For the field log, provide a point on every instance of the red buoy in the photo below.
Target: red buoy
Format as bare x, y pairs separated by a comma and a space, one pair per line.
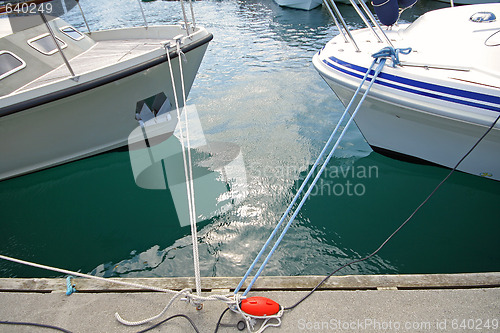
260, 306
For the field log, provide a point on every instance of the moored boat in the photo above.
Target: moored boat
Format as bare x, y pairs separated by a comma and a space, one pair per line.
80, 96
440, 99
307, 4
300, 4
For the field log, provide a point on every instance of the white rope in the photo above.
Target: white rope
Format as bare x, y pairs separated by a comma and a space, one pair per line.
65, 271
194, 230
186, 293
140, 322
187, 166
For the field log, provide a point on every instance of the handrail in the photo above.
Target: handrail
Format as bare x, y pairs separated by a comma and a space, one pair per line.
192, 13
335, 13
360, 13
83, 16
143, 15
375, 22
341, 19
5, 9
185, 17
335, 21
44, 19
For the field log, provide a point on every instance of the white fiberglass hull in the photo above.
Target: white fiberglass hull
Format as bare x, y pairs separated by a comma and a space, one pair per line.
408, 132
300, 4
435, 115
89, 122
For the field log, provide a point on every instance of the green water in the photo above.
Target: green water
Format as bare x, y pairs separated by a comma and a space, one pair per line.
256, 88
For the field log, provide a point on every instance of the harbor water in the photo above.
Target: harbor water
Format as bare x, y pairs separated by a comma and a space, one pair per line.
257, 89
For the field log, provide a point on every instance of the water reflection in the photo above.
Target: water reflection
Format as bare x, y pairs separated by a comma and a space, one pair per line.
255, 88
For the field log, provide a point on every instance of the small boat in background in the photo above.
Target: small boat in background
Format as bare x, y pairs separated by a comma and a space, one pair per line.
300, 4
434, 104
307, 4
80, 96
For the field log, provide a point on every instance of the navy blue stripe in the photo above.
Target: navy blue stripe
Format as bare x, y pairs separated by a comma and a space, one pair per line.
423, 85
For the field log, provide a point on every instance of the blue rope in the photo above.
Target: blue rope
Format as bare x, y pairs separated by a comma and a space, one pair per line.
390, 52
304, 183
381, 60
70, 288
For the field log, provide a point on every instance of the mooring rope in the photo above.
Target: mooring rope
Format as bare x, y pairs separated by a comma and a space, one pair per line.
380, 58
186, 293
188, 167
83, 275
192, 215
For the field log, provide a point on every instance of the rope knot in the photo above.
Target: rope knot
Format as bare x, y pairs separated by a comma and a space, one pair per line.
390, 52
70, 288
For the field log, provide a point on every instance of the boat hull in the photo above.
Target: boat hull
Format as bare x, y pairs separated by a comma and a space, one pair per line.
438, 99
86, 123
300, 4
406, 130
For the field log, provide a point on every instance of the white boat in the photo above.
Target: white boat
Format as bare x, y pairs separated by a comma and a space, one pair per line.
441, 98
307, 4
300, 4
53, 112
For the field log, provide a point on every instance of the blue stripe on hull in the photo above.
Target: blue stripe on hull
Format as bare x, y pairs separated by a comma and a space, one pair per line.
423, 85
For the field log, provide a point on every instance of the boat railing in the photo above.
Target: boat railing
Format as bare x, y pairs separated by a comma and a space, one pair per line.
365, 16
4, 9
186, 23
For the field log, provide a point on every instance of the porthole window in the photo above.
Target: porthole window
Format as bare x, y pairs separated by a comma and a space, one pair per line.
45, 44
10, 63
71, 32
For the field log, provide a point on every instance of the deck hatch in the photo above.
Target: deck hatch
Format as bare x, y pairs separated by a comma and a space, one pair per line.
71, 32
45, 44
10, 63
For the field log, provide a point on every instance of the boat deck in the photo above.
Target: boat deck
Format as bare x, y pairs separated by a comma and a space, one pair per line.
378, 303
101, 55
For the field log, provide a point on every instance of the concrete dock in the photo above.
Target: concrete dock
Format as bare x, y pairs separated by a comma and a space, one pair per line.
366, 303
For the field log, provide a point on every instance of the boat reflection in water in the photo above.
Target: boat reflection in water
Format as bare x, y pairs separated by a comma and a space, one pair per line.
158, 163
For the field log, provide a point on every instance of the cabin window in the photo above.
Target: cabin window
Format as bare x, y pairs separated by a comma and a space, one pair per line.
72, 33
10, 63
45, 44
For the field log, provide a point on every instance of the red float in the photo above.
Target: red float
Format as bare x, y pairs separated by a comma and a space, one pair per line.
259, 306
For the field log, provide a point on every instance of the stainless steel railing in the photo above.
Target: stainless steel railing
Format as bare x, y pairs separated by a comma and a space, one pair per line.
366, 17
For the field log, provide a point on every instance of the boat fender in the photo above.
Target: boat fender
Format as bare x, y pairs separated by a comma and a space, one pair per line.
386, 10
259, 306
